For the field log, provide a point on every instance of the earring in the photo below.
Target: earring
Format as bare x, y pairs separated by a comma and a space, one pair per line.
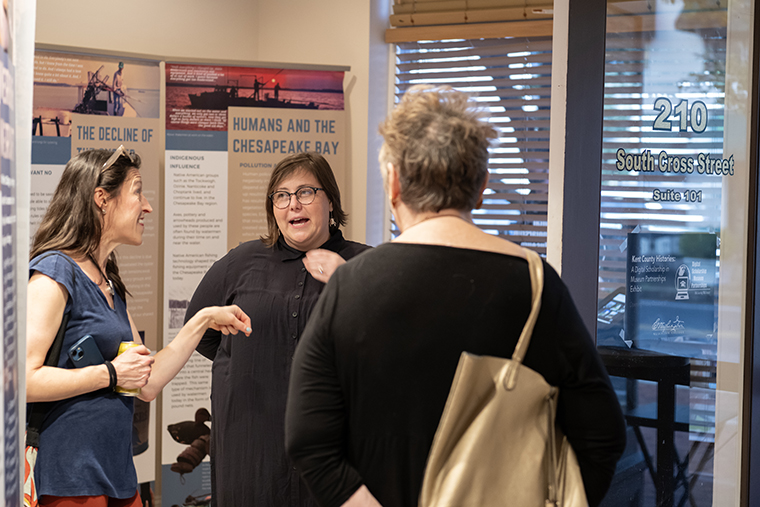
103, 210
333, 223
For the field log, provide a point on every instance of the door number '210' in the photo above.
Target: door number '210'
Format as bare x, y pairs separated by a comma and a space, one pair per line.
696, 117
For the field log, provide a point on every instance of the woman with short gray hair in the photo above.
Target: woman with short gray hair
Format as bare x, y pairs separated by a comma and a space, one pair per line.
373, 370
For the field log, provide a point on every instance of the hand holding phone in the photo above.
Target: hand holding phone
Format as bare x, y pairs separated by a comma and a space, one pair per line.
85, 352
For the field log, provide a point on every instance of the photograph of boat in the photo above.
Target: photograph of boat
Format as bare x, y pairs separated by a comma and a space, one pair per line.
223, 97
198, 96
76, 84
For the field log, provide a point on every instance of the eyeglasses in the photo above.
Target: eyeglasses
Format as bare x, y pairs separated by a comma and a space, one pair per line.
121, 150
304, 195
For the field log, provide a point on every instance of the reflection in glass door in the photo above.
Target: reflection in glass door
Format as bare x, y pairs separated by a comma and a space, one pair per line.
672, 260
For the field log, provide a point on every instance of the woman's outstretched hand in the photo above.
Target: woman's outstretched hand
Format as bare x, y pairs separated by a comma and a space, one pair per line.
228, 319
133, 367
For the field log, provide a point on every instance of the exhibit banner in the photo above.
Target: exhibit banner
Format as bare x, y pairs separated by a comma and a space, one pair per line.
226, 129
86, 102
9, 350
259, 138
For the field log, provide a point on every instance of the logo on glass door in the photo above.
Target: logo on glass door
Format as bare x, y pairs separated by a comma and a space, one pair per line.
683, 282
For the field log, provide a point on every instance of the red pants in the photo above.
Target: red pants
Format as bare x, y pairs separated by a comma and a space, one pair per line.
90, 501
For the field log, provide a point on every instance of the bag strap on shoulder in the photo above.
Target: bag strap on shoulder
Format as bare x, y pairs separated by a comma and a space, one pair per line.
536, 268
37, 412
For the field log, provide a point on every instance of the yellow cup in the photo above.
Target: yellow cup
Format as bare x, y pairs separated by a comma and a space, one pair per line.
124, 346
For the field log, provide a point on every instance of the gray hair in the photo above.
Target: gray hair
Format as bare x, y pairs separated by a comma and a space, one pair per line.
438, 144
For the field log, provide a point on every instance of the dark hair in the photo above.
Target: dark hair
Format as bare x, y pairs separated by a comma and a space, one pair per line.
315, 164
438, 143
72, 222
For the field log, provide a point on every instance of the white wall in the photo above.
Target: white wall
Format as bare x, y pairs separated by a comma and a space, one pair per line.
381, 72
330, 32
223, 29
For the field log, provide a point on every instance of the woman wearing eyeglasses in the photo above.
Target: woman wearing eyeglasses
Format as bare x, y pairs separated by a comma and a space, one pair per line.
276, 280
85, 439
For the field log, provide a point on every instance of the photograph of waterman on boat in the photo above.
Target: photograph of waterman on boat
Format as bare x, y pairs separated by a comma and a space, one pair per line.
195, 94
66, 84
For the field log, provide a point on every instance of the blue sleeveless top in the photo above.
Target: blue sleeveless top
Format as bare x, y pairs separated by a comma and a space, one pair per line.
86, 441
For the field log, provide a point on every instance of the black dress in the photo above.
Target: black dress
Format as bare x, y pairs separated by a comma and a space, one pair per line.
250, 375
374, 367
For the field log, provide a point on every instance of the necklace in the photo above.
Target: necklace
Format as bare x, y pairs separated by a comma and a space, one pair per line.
103, 277
431, 217
110, 287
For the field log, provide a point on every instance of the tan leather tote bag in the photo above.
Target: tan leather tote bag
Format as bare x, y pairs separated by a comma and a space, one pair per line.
497, 443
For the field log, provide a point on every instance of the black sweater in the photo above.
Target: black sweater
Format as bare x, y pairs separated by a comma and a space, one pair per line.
375, 364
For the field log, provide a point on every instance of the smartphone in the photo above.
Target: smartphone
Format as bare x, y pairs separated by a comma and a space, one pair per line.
85, 352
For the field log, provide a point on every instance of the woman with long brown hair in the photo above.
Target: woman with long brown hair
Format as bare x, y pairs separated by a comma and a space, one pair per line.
85, 455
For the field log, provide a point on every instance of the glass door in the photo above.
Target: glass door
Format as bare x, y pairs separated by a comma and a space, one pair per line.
672, 258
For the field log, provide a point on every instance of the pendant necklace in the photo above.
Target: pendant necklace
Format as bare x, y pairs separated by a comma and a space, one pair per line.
103, 277
110, 287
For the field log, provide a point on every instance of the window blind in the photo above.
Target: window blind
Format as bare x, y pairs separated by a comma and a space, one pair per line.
510, 78
414, 20
438, 12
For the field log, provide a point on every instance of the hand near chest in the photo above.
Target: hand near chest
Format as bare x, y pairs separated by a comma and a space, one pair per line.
321, 263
